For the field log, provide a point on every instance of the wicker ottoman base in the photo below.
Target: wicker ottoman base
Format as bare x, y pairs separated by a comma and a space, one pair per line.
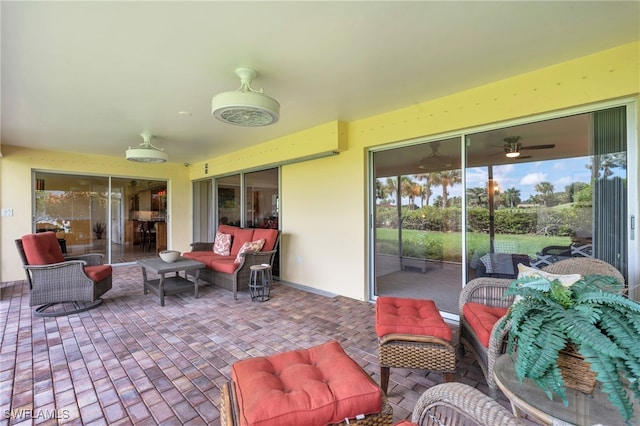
415, 352
412, 334
229, 411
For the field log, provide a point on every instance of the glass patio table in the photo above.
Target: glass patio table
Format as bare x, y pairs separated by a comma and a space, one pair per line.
583, 409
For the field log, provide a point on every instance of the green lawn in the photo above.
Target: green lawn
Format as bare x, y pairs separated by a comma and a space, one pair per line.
448, 246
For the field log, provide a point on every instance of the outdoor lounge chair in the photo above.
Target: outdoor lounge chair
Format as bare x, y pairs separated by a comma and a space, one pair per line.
490, 304
56, 279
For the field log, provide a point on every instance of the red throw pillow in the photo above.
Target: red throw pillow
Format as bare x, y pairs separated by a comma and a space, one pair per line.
222, 244
249, 246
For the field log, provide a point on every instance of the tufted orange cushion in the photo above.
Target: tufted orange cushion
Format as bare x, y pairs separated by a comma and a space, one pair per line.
410, 316
482, 318
315, 386
42, 248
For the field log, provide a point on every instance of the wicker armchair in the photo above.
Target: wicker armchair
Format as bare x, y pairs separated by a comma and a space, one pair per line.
490, 292
56, 279
460, 404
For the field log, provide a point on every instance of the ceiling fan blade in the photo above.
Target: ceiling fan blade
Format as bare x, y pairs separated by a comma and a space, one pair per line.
548, 146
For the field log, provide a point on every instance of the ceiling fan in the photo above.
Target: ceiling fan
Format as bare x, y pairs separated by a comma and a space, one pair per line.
512, 147
435, 160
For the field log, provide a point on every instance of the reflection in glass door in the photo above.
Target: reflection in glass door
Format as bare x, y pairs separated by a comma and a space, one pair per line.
534, 193
418, 239
545, 191
124, 219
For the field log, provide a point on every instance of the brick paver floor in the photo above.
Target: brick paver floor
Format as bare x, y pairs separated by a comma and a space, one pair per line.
131, 361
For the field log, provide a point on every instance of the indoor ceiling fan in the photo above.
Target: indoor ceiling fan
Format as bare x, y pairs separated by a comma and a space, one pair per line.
512, 147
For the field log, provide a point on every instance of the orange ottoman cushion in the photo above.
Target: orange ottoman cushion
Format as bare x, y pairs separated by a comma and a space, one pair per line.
410, 316
315, 386
482, 318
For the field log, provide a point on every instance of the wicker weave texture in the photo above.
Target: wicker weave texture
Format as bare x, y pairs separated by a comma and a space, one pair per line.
64, 282
425, 356
576, 372
584, 266
460, 404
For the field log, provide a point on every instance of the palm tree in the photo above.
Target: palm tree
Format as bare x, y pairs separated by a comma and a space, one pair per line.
406, 189
512, 197
392, 189
448, 179
546, 191
426, 192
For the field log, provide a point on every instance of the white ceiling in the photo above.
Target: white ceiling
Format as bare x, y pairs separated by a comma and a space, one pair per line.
91, 76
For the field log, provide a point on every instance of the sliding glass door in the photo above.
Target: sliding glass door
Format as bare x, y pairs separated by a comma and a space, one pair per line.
478, 204
122, 218
247, 200
418, 217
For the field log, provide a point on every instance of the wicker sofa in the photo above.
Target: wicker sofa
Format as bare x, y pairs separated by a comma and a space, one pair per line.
222, 270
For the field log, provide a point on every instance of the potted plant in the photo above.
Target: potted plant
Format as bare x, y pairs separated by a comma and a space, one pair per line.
592, 315
99, 229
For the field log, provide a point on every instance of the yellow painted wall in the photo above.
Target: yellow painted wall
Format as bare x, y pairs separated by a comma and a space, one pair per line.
324, 201
15, 193
324, 205
321, 140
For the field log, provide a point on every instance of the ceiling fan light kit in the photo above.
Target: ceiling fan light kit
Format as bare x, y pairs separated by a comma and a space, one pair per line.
512, 151
246, 106
146, 152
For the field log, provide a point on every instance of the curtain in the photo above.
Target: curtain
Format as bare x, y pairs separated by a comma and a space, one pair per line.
610, 187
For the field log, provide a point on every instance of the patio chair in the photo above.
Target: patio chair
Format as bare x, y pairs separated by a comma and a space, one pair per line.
482, 307
56, 279
458, 404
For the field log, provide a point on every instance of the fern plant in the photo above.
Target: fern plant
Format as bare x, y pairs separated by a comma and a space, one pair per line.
595, 316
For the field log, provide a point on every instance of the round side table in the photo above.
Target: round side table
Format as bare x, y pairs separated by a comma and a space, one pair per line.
260, 283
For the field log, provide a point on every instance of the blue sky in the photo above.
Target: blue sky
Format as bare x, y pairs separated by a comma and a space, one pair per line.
525, 176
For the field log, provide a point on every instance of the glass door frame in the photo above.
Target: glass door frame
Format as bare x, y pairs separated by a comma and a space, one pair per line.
633, 195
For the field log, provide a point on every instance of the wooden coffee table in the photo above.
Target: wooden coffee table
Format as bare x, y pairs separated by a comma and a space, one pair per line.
165, 286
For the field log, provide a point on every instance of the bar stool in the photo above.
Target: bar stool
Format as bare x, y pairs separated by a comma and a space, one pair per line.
260, 283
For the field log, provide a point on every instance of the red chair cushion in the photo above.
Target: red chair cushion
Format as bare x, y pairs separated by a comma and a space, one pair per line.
481, 318
410, 316
315, 386
268, 235
98, 272
240, 237
42, 248
405, 423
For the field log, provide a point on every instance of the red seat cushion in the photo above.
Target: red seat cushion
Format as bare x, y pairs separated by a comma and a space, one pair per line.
98, 272
42, 248
410, 316
482, 318
315, 386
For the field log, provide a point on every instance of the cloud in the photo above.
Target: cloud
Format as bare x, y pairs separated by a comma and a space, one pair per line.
562, 182
533, 178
